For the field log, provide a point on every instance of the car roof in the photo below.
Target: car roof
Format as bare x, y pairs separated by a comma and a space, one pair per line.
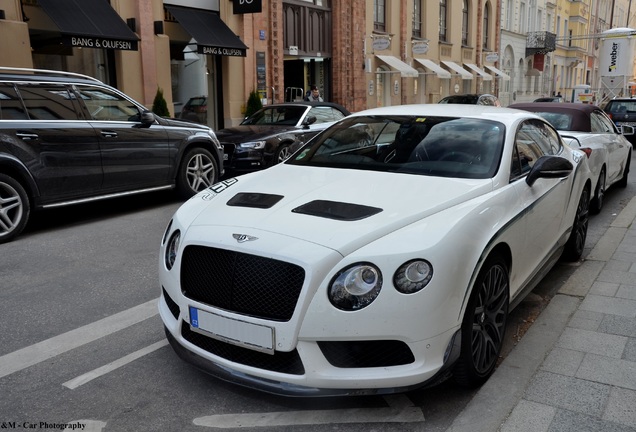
308, 103
501, 114
579, 113
42, 75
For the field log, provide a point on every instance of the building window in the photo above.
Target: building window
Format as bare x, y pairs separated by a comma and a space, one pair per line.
379, 15
442, 20
465, 23
417, 19
486, 24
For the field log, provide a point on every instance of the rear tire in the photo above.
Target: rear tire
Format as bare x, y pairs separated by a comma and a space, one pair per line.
14, 208
198, 171
484, 324
576, 243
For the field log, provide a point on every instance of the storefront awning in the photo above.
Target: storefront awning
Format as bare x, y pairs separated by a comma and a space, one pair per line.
395, 63
431, 65
212, 35
479, 71
457, 68
497, 72
90, 24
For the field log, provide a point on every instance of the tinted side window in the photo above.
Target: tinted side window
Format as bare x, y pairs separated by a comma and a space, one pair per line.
48, 102
11, 107
325, 114
600, 123
105, 104
534, 139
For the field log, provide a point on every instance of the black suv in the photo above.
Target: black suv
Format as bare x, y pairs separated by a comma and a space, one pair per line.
67, 138
622, 111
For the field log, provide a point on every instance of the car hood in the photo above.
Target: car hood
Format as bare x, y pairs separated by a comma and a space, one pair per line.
183, 123
243, 133
341, 209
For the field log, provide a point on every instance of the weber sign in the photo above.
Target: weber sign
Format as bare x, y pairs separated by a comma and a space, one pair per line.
617, 53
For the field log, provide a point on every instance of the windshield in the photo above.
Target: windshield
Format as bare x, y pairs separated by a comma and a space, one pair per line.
281, 116
435, 146
623, 106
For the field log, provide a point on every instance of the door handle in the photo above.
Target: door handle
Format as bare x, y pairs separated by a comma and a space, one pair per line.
109, 134
27, 136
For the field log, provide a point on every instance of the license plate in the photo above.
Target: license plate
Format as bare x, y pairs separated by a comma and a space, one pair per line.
237, 332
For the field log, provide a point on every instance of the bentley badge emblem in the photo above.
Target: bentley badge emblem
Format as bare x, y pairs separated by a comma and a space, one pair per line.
242, 238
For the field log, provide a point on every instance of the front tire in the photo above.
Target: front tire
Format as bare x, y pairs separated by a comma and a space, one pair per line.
198, 171
623, 181
484, 324
283, 152
576, 243
14, 208
599, 194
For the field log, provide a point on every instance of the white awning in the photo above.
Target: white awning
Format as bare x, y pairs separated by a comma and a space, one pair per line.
499, 73
482, 73
457, 68
431, 65
395, 63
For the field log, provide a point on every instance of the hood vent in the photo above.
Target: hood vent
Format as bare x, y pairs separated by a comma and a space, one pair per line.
337, 210
254, 200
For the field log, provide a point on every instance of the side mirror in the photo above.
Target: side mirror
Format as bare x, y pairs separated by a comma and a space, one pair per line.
627, 130
309, 120
549, 167
147, 118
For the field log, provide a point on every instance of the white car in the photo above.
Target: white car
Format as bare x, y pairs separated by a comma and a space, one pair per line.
382, 256
587, 128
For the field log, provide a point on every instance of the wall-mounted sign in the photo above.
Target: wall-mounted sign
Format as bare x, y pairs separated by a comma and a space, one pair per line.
261, 34
396, 87
492, 57
381, 43
247, 6
420, 47
95, 42
293, 50
371, 87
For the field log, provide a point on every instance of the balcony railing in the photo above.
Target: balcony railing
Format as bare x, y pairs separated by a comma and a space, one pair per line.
540, 43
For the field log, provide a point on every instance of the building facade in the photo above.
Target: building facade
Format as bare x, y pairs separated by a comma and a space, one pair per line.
360, 53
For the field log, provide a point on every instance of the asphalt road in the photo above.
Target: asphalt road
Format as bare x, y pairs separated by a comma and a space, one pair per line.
82, 343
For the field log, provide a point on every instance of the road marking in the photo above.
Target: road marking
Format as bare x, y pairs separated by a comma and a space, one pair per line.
96, 373
41, 351
401, 410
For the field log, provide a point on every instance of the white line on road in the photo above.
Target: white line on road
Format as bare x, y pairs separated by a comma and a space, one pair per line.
41, 351
401, 410
96, 373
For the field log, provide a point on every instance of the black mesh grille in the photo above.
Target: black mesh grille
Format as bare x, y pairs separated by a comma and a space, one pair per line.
283, 362
243, 283
367, 353
174, 308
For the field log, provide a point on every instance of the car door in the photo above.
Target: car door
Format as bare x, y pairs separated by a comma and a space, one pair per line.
134, 155
57, 145
615, 144
544, 203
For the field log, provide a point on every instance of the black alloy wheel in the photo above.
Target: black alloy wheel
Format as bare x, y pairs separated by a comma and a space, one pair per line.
576, 243
623, 181
599, 194
484, 324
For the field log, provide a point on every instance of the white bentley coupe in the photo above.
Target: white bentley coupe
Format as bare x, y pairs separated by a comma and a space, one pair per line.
383, 255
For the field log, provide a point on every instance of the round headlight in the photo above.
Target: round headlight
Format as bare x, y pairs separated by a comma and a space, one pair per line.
413, 276
172, 248
355, 287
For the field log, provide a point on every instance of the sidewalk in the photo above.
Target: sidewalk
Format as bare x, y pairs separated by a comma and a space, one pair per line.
575, 368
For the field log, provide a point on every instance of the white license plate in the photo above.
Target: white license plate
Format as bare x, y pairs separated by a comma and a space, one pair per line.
237, 332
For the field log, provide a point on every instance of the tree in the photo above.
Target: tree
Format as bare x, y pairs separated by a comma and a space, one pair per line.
253, 103
159, 105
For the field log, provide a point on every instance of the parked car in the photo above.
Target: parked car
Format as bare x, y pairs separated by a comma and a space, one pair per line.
382, 256
69, 138
622, 111
586, 127
471, 99
557, 99
196, 110
268, 136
